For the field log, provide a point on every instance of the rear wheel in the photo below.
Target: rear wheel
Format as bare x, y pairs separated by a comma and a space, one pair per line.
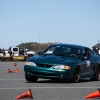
96, 75
76, 76
30, 79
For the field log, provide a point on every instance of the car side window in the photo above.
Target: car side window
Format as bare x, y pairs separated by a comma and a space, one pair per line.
87, 53
91, 53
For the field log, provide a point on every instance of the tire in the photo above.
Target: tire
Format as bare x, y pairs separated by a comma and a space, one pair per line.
76, 76
96, 75
30, 79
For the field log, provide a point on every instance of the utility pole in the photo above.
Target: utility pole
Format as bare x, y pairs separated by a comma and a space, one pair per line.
39, 41
21, 43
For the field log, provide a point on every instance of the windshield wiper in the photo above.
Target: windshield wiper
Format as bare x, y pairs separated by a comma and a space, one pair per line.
46, 54
60, 54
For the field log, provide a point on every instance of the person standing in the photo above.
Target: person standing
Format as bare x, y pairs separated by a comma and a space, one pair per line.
99, 50
3, 52
10, 52
95, 50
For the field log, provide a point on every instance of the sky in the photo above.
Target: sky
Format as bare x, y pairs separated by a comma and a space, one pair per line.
43, 21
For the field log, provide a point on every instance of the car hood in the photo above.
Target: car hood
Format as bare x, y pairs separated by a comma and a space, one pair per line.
52, 59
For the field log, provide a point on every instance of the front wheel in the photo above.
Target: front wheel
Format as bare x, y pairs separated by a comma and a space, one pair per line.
30, 79
76, 77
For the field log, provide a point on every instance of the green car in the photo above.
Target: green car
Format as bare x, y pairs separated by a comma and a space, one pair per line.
63, 62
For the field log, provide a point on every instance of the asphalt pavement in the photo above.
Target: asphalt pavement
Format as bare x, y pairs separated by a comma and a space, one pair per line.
14, 84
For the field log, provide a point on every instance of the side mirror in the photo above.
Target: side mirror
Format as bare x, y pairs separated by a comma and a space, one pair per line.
84, 58
39, 53
98, 54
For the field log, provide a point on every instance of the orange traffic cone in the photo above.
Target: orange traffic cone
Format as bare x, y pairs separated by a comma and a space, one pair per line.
15, 64
27, 94
16, 71
10, 71
94, 94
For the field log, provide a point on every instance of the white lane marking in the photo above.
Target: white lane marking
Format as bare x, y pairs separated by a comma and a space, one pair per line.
52, 88
12, 79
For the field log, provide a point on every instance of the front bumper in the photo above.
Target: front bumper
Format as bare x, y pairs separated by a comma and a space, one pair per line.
48, 73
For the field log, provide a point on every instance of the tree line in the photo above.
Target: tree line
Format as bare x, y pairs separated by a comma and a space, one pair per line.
34, 46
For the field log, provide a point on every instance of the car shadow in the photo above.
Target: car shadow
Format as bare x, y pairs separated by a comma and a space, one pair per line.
60, 81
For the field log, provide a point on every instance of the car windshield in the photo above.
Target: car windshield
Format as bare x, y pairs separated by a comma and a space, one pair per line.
63, 51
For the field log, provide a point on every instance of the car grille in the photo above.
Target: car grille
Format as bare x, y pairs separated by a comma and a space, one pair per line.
44, 74
44, 65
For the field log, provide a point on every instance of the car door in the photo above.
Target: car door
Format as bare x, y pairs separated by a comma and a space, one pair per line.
92, 63
87, 63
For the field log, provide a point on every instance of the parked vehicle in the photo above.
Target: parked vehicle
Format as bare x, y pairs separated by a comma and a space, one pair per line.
16, 53
29, 54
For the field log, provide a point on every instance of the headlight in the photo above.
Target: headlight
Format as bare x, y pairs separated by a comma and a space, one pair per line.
62, 67
30, 63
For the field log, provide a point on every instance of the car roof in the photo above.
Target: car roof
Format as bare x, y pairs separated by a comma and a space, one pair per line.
70, 45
